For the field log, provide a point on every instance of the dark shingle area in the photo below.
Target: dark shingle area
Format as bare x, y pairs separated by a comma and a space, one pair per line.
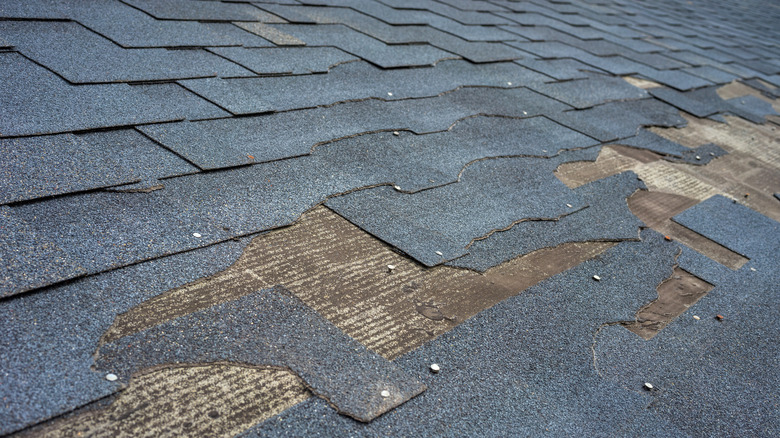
35, 101
235, 141
435, 226
285, 60
34, 167
355, 80
81, 56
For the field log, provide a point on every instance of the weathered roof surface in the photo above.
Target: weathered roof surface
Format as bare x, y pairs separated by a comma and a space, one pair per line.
271, 218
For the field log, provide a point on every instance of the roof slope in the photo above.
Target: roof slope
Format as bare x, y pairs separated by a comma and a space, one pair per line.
271, 218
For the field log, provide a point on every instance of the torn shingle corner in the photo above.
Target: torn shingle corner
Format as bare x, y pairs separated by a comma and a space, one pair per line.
270, 328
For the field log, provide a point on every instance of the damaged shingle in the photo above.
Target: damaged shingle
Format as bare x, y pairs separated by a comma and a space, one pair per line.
271, 327
491, 195
355, 80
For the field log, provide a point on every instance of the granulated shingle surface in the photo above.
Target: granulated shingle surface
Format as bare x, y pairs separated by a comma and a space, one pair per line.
144, 143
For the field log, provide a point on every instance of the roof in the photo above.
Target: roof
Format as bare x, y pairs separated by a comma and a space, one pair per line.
273, 218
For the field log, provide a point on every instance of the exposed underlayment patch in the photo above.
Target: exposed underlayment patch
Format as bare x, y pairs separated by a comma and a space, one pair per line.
343, 273
641, 83
215, 400
526, 364
750, 168
656, 209
675, 295
270, 328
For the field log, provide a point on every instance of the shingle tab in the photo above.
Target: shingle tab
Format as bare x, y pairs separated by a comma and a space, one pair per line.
35, 101
235, 141
271, 328
35, 167
286, 60
355, 80
81, 56
490, 195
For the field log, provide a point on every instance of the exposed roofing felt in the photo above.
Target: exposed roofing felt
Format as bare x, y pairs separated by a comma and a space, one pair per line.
291, 209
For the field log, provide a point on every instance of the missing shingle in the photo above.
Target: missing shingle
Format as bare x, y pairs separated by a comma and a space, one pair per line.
183, 401
341, 272
675, 295
641, 83
656, 210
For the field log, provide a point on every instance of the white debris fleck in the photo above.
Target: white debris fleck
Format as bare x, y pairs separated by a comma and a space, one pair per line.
568, 205
525, 113
111, 377
396, 133
698, 157
753, 269
435, 368
597, 278
397, 188
509, 83
712, 154
438, 253
696, 317
196, 234
385, 393
648, 386
390, 267
389, 93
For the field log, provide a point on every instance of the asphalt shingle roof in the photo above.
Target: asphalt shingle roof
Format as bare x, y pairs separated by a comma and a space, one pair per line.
335, 194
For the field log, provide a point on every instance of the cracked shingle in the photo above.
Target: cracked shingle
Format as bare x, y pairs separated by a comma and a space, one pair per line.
236, 141
491, 195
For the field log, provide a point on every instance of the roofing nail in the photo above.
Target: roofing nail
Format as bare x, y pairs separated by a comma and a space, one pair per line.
438, 253
397, 188
696, 317
568, 205
597, 278
648, 386
196, 235
753, 269
396, 133
525, 113
698, 157
435, 368
385, 393
509, 83
390, 267
389, 94
111, 377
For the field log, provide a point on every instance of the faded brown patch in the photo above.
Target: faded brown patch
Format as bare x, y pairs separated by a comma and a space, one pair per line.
656, 209
738, 89
270, 33
218, 400
611, 160
644, 84
752, 166
675, 296
341, 272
